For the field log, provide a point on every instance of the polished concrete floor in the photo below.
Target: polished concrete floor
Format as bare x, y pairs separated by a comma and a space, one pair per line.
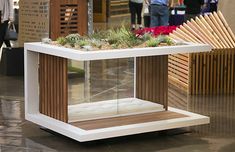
19, 135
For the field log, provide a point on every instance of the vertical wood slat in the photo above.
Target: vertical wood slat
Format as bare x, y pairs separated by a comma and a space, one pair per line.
152, 79
209, 73
53, 86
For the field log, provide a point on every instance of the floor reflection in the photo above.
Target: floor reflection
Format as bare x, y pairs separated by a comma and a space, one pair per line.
220, 109
18, 135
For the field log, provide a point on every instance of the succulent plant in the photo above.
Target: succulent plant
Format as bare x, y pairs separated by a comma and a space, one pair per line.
114, 38
72, 39
165, 39
82, 43
61, 41
152, 42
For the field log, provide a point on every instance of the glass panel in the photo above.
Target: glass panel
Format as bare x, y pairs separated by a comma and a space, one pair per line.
104, 88
94, 95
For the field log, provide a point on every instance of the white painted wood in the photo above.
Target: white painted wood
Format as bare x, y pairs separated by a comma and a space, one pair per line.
89, 135
115, 54
135, 69
31, 82
32, 92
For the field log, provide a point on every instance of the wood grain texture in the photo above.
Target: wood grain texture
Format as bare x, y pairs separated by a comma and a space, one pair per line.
205, 73
152, 79
127, 120
68, 16
208, 73
53, 86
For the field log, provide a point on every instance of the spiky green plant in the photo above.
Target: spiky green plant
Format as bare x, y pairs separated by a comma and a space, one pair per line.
152, 42
146, 36
122, 38
61, 40
165, 39
99, 34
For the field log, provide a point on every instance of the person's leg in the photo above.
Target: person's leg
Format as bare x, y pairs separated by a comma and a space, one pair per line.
213, 7
2, 34
154, 16
7, 42
3, 28
139, 12
133, 14
164, 16
188, 17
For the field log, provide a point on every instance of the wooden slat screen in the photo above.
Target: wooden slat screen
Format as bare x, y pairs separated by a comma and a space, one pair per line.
206, 73
213, 73
53, 86
152, 79
33, 20
68, 16
178, 70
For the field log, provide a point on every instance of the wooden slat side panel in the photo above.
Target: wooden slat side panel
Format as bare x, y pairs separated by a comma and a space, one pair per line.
179, 72
53, 87
206, 73
152, 79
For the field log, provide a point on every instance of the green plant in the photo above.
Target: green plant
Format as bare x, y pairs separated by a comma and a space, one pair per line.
165, 39
152, 42
146, 37
122, 38
61, 41
72, 39
96, 43
82, 43
99, 34
114, 38
169, 41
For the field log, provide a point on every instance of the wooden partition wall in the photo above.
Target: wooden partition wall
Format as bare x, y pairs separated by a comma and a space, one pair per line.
205, 73
66, 17
152, 79
33, 20
53, 84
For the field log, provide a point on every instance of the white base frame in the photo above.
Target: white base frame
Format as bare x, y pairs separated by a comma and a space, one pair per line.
32, 114
89, 135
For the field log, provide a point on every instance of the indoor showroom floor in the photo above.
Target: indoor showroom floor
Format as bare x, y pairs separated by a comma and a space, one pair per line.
19, 135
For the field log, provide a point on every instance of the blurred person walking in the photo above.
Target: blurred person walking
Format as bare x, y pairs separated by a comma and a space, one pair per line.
6, 11
136, 7
213, 5
210, 6
159, 12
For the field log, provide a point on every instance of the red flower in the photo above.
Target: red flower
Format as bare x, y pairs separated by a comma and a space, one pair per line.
159, 30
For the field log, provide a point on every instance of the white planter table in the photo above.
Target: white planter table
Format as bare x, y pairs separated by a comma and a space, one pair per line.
41, 90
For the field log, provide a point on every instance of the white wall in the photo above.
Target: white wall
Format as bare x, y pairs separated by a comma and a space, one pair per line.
227, 7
